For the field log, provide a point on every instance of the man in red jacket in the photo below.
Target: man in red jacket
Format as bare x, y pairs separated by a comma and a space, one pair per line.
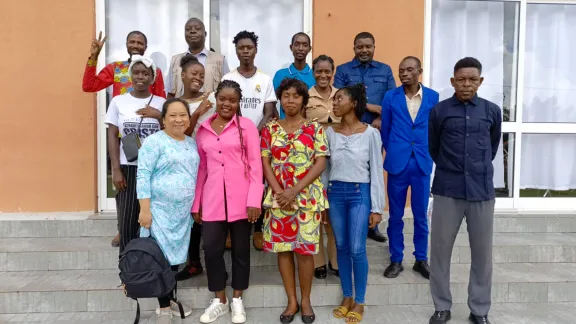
116, 74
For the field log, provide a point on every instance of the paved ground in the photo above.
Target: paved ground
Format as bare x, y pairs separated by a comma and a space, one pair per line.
558, 313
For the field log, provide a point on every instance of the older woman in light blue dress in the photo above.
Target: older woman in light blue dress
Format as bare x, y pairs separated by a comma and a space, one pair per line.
167, 170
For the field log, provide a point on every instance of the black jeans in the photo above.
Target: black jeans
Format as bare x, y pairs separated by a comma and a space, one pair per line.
214, 244
165, 301
194, 248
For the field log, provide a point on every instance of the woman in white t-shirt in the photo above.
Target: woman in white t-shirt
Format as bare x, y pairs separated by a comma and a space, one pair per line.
137, 111
202, 106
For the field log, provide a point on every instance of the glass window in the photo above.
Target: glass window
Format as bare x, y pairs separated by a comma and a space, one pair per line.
275, 22
548, 165
550, 72
484, 30
161, 21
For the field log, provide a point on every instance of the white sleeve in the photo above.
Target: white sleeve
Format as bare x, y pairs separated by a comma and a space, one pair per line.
112, 115
157, 103
270, 95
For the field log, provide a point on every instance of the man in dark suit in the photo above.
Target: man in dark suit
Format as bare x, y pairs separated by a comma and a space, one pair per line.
405, 113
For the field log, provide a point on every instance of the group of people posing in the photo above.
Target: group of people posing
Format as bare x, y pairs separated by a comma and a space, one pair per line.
220, 161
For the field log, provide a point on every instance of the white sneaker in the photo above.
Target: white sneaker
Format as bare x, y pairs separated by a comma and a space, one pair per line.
176, 310
238, 312
215, 310
164, 317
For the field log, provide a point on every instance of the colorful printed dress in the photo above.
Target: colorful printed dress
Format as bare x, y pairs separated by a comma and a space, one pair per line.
167, 173
291, 157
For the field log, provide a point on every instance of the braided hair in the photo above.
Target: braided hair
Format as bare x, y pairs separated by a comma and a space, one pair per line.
229, 84
358, 95
189, 60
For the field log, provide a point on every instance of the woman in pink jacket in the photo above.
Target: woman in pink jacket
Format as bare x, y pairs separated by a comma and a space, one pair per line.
228, 197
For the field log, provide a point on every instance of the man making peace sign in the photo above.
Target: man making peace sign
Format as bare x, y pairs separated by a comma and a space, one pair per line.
116, 73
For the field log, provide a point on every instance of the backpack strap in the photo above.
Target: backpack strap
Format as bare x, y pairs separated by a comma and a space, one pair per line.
175, 299
137, 319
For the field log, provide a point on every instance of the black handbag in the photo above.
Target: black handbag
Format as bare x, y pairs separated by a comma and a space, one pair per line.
131, 143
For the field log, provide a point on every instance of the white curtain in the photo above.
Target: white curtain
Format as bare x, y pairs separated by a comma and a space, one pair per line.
161, 21
549, 160
275, 22
477, 29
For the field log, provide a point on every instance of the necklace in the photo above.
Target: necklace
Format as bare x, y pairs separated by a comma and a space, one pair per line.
297, 124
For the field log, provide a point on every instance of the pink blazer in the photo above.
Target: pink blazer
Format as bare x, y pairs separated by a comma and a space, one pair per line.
224, 170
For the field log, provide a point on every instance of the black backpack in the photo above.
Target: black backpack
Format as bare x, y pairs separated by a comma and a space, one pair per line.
145, 273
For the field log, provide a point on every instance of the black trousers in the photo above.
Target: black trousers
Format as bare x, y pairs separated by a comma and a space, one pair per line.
128, 207
194, 248
214, 243
165, 301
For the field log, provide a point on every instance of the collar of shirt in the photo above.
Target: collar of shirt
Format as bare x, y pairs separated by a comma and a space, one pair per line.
419, 93
293, 70
203, 52
313, 92
473, 101
357, 63
208, 122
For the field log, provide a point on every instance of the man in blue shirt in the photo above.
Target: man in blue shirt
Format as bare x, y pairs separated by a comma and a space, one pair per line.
405, 112
377, 77
463, 138
300, 70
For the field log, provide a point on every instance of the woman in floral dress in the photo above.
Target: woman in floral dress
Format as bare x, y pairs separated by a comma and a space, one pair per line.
293, 156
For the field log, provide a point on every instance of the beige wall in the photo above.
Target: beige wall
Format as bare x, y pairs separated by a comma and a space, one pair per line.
48, 125
397, 26
47, 129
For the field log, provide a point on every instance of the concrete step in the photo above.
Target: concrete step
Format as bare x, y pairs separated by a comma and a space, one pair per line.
104, 225
96, 290
527, 313
95, 253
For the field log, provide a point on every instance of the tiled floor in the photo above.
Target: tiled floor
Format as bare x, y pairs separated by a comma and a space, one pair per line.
501, 314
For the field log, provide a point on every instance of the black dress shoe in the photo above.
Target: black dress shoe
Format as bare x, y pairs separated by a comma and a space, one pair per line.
189, 271
320, 272
441, 317
393, 270
478, 319
422, 268
334, 271
308, 319
289, 318
376, 236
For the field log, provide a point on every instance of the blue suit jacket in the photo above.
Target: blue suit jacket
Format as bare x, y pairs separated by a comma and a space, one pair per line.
401, 136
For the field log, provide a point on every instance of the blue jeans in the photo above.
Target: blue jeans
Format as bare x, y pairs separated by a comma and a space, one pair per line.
350, 207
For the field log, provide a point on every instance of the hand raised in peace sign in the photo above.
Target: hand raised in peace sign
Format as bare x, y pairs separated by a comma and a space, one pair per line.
97, 45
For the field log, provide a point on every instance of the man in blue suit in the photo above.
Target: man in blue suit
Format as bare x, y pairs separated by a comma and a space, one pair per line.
405, 113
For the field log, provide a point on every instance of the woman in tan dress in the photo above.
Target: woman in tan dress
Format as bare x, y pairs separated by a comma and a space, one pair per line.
320, 107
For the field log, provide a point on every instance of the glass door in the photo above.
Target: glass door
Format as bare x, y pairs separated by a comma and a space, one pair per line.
163, 24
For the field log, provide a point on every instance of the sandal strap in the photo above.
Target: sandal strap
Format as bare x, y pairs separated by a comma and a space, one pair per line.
354, 315
342, 310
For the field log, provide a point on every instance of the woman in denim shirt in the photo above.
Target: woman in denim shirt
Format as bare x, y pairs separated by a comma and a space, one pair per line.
355, 193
